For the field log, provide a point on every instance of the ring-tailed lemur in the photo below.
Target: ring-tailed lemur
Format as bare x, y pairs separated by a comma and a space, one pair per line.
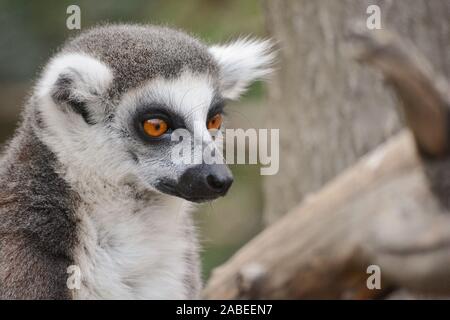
88, 181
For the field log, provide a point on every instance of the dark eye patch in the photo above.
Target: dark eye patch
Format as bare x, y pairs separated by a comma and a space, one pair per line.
156, 111
174, 120
153, 111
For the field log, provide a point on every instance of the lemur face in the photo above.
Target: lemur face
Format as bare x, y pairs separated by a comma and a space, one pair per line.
112, 99
151, 115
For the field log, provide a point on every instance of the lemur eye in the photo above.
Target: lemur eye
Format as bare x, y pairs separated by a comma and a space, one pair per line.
155, 127
215, 122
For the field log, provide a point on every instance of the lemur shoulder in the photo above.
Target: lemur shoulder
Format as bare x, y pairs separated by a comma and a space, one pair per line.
88, 181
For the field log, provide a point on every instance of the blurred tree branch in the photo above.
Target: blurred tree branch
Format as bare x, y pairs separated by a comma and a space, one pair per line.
389, 209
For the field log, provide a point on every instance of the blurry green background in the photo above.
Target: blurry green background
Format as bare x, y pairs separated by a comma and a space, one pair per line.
31, 31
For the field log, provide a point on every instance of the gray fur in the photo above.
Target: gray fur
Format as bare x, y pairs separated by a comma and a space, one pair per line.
37, 221
138, 53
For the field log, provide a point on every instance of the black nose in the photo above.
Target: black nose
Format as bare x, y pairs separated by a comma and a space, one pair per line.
219, 182
205, 182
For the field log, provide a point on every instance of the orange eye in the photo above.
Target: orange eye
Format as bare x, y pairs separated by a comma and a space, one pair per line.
155, 127
215, 122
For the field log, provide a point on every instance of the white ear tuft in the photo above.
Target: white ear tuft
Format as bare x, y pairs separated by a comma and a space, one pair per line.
82, 75
242, 62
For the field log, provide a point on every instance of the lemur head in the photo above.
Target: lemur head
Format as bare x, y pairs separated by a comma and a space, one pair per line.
109, 101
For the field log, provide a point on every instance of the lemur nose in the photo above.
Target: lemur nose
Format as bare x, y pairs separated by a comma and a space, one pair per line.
205, 182
219, 182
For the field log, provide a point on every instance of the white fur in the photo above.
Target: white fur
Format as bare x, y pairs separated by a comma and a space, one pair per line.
78, 145
189, 95
129, 249
146, 258
91, 75
242, 62
133, 250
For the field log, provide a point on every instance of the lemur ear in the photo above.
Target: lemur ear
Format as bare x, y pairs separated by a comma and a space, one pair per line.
75, 80
242, 62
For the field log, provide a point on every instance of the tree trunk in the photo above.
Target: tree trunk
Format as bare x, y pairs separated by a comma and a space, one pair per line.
389, 212
329, 110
